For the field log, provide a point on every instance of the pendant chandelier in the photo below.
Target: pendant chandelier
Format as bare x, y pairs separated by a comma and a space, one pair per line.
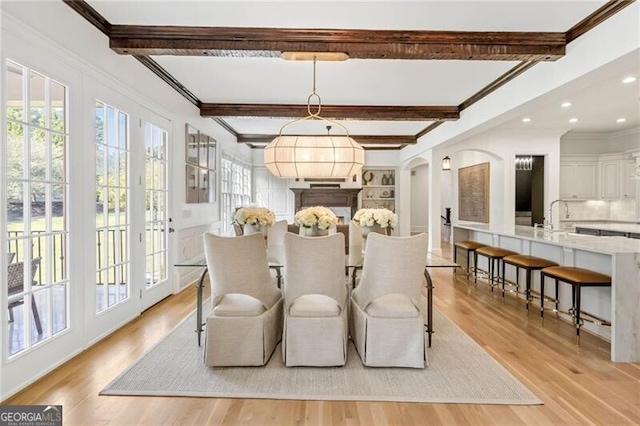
314, 156
524, 162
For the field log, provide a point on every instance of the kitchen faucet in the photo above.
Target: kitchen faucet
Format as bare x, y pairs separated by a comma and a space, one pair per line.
549, 225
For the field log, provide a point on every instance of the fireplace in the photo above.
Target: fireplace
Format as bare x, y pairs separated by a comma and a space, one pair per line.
338, 198
327, 197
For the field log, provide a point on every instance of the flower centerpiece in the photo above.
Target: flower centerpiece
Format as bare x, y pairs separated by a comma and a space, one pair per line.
253, 218
370, 218
316, 218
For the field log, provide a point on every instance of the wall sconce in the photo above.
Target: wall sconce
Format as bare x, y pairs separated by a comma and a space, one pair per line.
446, 163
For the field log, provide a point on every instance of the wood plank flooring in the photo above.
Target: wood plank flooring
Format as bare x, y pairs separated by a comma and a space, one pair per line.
579, 385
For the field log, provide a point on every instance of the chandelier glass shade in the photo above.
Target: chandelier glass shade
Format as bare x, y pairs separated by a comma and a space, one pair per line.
314, 156
305, 156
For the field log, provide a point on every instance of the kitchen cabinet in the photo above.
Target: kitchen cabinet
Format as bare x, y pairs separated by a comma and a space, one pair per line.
378, 189
610, 179
578, 180
606, 177
615, 179
629, 185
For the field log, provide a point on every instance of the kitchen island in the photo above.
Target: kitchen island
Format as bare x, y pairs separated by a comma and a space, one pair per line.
631, 230
618, 257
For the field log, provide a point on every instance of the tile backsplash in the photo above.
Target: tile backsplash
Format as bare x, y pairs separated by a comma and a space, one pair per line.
616, 210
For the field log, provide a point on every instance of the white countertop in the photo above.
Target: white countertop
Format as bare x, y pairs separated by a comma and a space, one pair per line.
607, 245
622, 227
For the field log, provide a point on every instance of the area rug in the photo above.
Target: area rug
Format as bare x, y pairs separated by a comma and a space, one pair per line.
459, 371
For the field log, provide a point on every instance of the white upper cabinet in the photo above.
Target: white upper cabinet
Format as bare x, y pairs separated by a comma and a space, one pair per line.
615, 178
578, 179
606, 177
629, 187
610, 179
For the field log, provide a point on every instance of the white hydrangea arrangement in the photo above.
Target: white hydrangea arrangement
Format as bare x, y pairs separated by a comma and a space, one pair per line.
318, 216
254, 216
371, 217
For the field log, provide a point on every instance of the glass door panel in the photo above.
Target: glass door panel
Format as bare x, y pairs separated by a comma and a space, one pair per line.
113, 221
156, 217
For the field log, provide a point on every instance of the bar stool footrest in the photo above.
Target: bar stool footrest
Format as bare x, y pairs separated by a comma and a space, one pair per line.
586, 316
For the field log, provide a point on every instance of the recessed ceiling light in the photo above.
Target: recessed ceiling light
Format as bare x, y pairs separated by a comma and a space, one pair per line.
629, 79
566, 104
573, 120
621, 120
526, 120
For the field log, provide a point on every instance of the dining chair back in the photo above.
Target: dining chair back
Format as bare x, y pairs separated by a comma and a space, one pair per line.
245, 324
387, 325
316, 301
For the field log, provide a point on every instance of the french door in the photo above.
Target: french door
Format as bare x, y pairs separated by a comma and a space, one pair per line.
128, 210
85, 211
155, 131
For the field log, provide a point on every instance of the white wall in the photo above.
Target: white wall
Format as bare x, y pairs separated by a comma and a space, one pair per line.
597, 144
419, 198
499, 148
626, 141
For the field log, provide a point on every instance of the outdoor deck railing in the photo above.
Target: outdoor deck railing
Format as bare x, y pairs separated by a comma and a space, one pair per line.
115, 240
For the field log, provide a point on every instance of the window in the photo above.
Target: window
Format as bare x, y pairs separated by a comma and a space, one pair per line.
235, 183
37, 187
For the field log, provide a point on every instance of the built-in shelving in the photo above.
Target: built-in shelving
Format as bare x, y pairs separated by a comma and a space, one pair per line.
378, 188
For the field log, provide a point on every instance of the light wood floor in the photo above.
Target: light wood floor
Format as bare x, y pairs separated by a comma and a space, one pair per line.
579, 385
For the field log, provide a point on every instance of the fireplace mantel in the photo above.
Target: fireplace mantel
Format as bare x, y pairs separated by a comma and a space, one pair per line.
327, 197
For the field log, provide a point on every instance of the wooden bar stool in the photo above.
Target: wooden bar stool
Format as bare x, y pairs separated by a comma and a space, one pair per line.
529, 264
578, 278
470, 247
494, 256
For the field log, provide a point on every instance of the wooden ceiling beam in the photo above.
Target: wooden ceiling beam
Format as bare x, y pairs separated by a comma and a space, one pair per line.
358, 44
361, 139
334, 112
603, 13
90, 14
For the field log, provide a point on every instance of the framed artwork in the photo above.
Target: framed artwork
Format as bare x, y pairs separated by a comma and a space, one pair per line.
203, 151
191, 146
473, 193
191, 179
211, 150
200, 171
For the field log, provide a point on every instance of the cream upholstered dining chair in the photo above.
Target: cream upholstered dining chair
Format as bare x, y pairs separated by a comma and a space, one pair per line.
275, 241
387, 325
245, 324
315, 329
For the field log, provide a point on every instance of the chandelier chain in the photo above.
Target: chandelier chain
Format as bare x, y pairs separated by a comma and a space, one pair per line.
314, 94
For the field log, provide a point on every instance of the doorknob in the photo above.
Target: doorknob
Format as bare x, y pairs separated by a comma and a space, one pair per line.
171, 230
